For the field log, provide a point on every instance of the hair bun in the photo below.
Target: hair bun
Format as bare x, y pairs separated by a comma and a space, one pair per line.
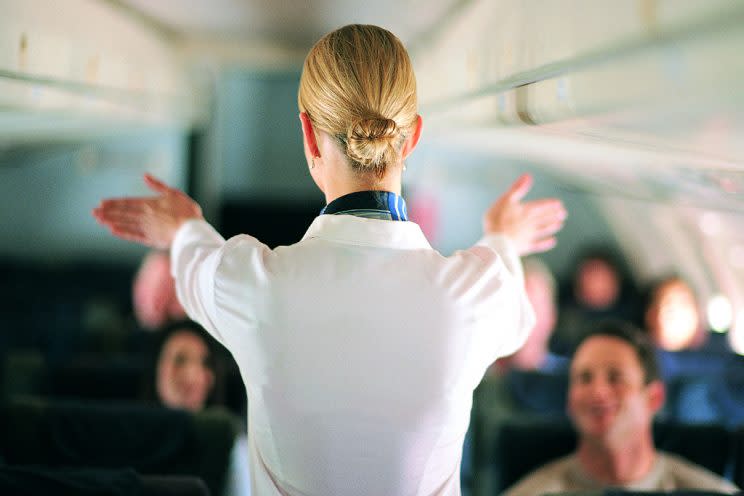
371, 141
373, 129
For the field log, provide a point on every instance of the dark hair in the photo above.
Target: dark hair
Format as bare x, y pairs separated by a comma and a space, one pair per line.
635, 337
627, 287
604, 254
158, 342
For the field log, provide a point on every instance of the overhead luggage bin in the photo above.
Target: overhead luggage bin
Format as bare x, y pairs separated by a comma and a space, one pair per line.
87, 68
632, 88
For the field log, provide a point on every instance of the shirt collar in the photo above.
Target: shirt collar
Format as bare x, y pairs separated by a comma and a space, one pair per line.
381, 205
354, 230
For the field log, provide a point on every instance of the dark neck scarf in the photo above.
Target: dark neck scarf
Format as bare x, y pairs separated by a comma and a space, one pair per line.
383, 205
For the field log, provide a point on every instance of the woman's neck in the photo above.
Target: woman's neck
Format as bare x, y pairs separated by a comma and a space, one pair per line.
617, 465
339, 179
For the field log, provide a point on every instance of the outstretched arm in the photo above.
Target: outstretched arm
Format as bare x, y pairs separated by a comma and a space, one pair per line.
151, 221
530, 225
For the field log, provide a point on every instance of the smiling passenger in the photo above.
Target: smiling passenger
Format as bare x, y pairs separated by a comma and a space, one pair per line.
615, 391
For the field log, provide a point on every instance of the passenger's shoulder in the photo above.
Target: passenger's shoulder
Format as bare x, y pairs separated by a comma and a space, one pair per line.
551, 477
688, 475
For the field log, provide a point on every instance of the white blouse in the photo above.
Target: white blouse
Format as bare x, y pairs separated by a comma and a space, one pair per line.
359, 346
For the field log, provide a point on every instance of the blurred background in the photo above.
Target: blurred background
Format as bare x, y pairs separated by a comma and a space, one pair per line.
629, 111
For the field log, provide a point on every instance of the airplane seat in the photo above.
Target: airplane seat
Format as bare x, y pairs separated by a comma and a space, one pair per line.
171, 485
151, 440
86, 376
738, 440
22, 372
538, 392
38, 481
523, 395
708, 445
728, 391
688, 400
691, 363
712, 398
523, 446
63, 309
96, 377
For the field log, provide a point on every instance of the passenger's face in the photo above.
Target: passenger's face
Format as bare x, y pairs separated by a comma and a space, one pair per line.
184, 379
673, 318
597, 284
608, 401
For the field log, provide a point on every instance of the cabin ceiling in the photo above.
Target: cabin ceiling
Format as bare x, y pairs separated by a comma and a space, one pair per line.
292, 22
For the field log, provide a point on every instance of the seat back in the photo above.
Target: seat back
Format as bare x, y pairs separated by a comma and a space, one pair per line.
84, 376
36, 480
738, 465
151, 440
522, 447
539, 393
708, 445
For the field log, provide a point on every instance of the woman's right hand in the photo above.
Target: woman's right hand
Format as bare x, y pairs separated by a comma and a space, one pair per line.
151, 221
530, 225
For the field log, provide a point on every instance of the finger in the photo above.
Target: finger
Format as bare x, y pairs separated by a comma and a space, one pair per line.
121, 216
547, 228
129, 234
544, 206
157, 185
137, 214
519, 188
546, 219
124, 204
127, 226
542, 245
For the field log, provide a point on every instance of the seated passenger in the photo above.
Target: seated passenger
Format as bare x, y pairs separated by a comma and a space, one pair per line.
154, 293
542, 292
615, 391
186, 374
600, 289
672, 317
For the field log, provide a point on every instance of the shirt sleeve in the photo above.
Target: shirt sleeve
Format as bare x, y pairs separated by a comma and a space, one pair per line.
505, 248
514, 317
196, 253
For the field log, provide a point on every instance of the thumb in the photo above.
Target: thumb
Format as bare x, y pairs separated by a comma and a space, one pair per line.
519, 188
156, 185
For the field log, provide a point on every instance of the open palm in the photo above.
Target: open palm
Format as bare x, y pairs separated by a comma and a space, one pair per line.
151, 221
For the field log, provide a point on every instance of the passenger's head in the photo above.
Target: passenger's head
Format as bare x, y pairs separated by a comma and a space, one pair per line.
358, 86
615, 388
185, 367
154, 292
598, 280
541, 289
672, 315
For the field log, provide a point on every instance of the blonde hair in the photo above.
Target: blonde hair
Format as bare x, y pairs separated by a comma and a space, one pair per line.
358, 85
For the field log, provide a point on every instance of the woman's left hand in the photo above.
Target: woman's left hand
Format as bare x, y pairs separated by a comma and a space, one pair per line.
151, 221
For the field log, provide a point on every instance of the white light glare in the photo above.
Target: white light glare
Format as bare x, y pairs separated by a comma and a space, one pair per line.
720, 313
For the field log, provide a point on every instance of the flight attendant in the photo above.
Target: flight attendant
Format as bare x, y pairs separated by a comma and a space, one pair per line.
360, 345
